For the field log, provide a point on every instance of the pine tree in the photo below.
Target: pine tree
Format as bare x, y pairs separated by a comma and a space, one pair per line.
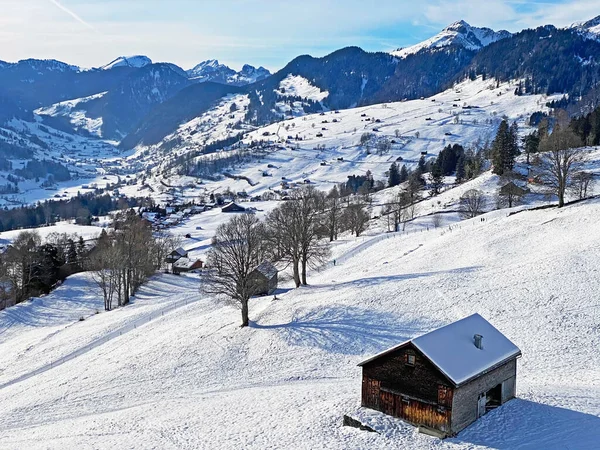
81, 247
72, 253
504, 150
422, 166
460, 168
403, 174
394, 177
437, 179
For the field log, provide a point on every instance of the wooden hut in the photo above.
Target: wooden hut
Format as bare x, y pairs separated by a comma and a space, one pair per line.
444, 380
184, 265
264, 278
176, 255
232, 208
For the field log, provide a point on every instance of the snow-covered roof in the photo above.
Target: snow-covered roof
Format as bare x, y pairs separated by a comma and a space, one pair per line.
267, 269
452, 349
184, 263
180, 251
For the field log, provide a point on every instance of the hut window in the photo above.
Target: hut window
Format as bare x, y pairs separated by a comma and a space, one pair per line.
410, 360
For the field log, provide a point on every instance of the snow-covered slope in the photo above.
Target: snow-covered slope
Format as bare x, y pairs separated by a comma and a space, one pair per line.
75, 112
136, 61
163, 374
297, 86
326, 148
590, 29
459, 33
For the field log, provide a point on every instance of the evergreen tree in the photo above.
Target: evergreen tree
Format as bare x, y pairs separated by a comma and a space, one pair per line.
531, 143
71, 253
437, 179
394, 177
422, 166
460, 168
403, 174
81, 247
504, 149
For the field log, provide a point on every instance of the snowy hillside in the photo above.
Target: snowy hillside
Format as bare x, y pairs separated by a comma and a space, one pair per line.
74, 111
590, 29
174, 370
326, 152
328, 146
460, 34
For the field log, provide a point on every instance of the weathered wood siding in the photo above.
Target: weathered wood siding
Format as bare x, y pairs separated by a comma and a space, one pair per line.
418, 381
417, 393
464, 404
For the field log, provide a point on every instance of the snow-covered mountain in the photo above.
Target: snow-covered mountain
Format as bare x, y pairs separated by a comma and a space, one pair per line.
137, 61
590, 29
460, 34
212, 70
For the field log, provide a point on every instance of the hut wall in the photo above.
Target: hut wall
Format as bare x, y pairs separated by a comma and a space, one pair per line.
464, 404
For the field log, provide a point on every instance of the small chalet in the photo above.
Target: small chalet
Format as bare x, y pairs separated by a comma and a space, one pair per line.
176, 255
511, 188
264, 278
444, 380
185, 265
232, 208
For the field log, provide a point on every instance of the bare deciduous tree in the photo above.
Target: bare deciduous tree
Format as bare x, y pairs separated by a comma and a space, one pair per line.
560, 159
333, 213
237, 249
472, 204
296, 230
356, 218
19, 259
582, 183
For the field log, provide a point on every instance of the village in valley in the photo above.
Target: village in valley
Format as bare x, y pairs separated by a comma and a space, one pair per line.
301, 259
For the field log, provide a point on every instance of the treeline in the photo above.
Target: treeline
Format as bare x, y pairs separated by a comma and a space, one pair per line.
124, 258
83, 208
31, 267
35, 169
588, 127
120, 260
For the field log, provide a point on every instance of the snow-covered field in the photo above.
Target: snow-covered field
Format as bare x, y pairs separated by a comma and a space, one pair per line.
191, 378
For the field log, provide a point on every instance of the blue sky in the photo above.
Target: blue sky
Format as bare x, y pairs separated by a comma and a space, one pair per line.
91, 33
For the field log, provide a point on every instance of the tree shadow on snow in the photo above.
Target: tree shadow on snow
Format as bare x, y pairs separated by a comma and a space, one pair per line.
370, 281
347, 330
527, 425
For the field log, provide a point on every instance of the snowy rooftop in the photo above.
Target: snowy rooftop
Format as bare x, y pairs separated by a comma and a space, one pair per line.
267, 269
185, 263
452, 349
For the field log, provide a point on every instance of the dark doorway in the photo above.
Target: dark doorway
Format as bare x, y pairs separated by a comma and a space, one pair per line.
493, 398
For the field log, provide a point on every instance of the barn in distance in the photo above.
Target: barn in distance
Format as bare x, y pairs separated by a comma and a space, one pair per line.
264, 278
444, 380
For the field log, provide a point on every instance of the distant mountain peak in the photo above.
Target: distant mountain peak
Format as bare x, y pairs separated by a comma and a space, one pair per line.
212, 70
136, 61
459, 33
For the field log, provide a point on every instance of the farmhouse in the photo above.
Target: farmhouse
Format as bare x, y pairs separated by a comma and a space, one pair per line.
264, 279
185, 265
232, 207
444, 380
176, 255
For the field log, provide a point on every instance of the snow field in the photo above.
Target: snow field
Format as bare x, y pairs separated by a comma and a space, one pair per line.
194, 379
